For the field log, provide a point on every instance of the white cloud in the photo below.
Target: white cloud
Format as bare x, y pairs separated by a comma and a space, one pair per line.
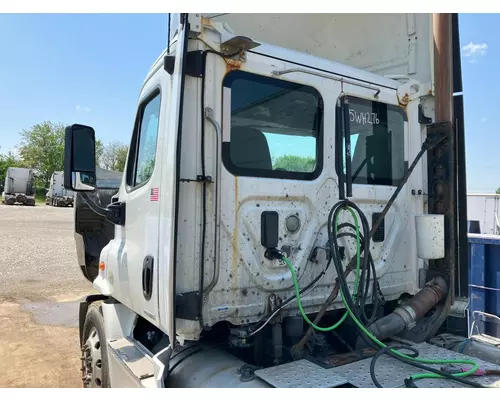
81, 108
475, 49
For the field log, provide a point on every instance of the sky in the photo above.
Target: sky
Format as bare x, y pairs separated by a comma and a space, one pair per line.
89, 69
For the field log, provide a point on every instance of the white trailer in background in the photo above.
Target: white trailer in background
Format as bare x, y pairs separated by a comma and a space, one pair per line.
485, 209
19, 187
57, 195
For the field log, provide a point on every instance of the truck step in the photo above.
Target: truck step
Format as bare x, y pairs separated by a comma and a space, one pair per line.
391, 373
301, 374
130, 365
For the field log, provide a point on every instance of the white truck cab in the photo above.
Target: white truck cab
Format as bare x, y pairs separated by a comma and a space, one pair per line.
263, 162
57, 195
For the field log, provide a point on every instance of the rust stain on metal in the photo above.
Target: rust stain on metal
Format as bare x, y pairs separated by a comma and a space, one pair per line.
233, 65
235, 235
338, 360
207, 22
403, 101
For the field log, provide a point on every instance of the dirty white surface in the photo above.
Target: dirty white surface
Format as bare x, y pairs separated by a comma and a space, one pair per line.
40, 285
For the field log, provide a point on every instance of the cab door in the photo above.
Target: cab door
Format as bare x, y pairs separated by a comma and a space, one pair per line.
141, 199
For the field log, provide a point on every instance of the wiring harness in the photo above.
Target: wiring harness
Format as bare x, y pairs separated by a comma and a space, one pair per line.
353, 307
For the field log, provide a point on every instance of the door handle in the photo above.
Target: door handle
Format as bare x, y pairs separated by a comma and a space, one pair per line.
147, 277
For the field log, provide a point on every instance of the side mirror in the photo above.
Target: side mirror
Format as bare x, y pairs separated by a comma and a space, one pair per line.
79, 159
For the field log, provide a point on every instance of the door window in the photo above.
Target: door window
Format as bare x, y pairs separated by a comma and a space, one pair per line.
276, 128
377, 142
143, 147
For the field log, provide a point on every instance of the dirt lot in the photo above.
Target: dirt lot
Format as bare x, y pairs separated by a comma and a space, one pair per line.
40, 285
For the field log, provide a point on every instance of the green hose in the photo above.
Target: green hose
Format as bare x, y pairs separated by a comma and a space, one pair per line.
297, 290
349, 312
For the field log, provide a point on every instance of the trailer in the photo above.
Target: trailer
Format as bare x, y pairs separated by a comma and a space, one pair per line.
57, 195
483, 212
290, 214
19, 187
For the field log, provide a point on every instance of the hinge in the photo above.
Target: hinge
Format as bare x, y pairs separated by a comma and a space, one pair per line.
194, 64
199, 178
168, 64
422, 119
187, 306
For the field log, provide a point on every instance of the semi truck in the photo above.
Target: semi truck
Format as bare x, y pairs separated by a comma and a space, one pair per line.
57, 195
292, 211
19, 187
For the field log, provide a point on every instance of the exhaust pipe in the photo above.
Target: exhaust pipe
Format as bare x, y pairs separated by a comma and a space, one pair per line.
406, 315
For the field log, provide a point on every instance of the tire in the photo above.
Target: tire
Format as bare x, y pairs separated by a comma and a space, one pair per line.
93, 335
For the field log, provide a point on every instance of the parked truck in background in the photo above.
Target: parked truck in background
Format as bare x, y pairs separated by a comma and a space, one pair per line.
19, 187
57, 195
288, 174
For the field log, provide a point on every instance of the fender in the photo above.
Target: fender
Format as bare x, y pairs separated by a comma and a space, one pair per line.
84, 306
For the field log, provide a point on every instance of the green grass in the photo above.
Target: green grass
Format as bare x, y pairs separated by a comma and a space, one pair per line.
40, 196
40, 199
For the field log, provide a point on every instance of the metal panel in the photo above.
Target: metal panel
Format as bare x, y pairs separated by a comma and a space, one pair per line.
139, 364
391, 373
301, 374
387, 44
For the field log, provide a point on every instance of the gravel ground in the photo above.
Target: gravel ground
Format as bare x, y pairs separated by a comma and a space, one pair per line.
40, 286
37, 254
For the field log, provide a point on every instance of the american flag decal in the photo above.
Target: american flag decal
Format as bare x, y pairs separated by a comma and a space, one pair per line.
155, 193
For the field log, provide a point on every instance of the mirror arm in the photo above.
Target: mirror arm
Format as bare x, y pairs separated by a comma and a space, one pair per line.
114, 212
93, 205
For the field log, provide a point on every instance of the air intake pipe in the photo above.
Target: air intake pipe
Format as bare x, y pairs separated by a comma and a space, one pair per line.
406, 315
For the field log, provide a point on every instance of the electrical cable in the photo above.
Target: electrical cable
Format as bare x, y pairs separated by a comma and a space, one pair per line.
377, 296
426, 145
311, 286
387, 350
351, 310
288, 301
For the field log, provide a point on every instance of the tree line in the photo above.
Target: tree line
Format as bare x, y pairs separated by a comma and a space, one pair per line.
42, 149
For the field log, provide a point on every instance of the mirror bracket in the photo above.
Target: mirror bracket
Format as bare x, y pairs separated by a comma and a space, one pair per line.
115, 213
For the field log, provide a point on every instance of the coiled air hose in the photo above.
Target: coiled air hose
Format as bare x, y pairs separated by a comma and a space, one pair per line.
352, 311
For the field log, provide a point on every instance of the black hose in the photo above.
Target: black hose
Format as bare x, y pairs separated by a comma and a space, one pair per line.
409, 382
352, 305
386, 350
363, 295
